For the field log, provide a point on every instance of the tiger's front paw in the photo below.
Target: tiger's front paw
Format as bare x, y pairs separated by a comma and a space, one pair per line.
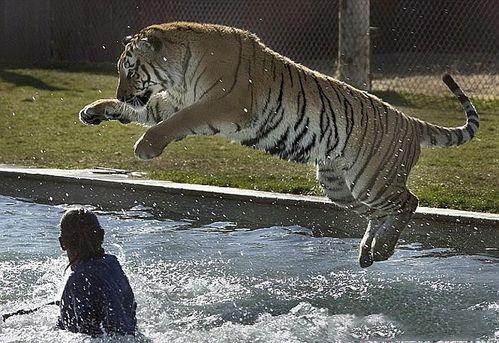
101, 110
150, 145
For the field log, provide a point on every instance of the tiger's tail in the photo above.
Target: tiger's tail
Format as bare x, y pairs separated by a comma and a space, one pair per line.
438, 136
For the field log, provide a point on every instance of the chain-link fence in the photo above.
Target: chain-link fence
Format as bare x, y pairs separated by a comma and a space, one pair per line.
416, 40
412, 42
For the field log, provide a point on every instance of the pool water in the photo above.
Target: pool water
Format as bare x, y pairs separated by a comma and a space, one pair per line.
223, 283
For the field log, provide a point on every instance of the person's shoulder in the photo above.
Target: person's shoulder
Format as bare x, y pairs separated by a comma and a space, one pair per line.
112, 262
110, 257
85, 270
79, 280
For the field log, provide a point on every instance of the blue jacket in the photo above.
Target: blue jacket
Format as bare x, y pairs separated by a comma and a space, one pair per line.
98, 297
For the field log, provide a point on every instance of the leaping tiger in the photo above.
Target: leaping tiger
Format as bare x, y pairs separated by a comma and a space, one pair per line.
182, 79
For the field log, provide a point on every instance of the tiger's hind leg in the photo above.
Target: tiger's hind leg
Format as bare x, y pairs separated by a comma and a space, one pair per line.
388, 216
332, 181
400, 212
379, 182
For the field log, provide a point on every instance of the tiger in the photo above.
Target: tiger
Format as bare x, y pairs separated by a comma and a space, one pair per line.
181, 79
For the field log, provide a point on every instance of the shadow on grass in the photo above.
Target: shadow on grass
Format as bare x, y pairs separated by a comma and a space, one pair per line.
394, 98
21, 80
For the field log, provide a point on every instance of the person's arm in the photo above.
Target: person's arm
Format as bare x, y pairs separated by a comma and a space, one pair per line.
82, 305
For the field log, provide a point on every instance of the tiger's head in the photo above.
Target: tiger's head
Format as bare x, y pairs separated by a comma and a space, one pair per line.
149, 64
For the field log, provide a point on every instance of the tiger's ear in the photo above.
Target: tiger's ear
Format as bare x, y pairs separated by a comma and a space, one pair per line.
150, 43
126, 40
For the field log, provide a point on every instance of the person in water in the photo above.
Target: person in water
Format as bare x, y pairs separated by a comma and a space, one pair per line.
97, 297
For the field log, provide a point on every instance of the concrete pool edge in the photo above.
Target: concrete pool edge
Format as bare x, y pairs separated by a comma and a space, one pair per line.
107, 189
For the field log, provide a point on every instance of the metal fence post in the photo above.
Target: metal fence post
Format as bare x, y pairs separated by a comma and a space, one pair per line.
353, 43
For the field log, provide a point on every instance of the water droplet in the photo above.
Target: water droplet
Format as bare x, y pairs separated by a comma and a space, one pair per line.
245, 110
13, 113
224, 90
250, 81
104, 47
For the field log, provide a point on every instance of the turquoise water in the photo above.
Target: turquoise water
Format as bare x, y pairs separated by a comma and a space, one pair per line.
223, 283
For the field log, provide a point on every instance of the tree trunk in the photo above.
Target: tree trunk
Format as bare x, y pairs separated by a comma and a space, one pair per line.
354, 43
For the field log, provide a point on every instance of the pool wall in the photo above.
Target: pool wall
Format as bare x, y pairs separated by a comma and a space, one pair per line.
115, 189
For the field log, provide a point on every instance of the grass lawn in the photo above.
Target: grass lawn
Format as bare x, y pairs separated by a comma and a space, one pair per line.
39, 127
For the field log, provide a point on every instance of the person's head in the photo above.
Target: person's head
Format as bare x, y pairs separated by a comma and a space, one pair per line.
81, 235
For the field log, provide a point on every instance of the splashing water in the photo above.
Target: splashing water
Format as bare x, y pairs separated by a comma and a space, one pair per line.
217, 283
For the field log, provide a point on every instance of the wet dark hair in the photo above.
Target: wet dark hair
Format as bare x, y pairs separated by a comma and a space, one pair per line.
82, 233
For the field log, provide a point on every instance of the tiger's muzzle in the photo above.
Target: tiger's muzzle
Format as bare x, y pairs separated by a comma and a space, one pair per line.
134, 100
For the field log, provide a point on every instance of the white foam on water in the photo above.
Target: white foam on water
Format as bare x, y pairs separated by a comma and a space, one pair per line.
303, 323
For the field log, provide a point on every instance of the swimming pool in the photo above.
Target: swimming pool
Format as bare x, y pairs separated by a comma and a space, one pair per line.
223, 283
